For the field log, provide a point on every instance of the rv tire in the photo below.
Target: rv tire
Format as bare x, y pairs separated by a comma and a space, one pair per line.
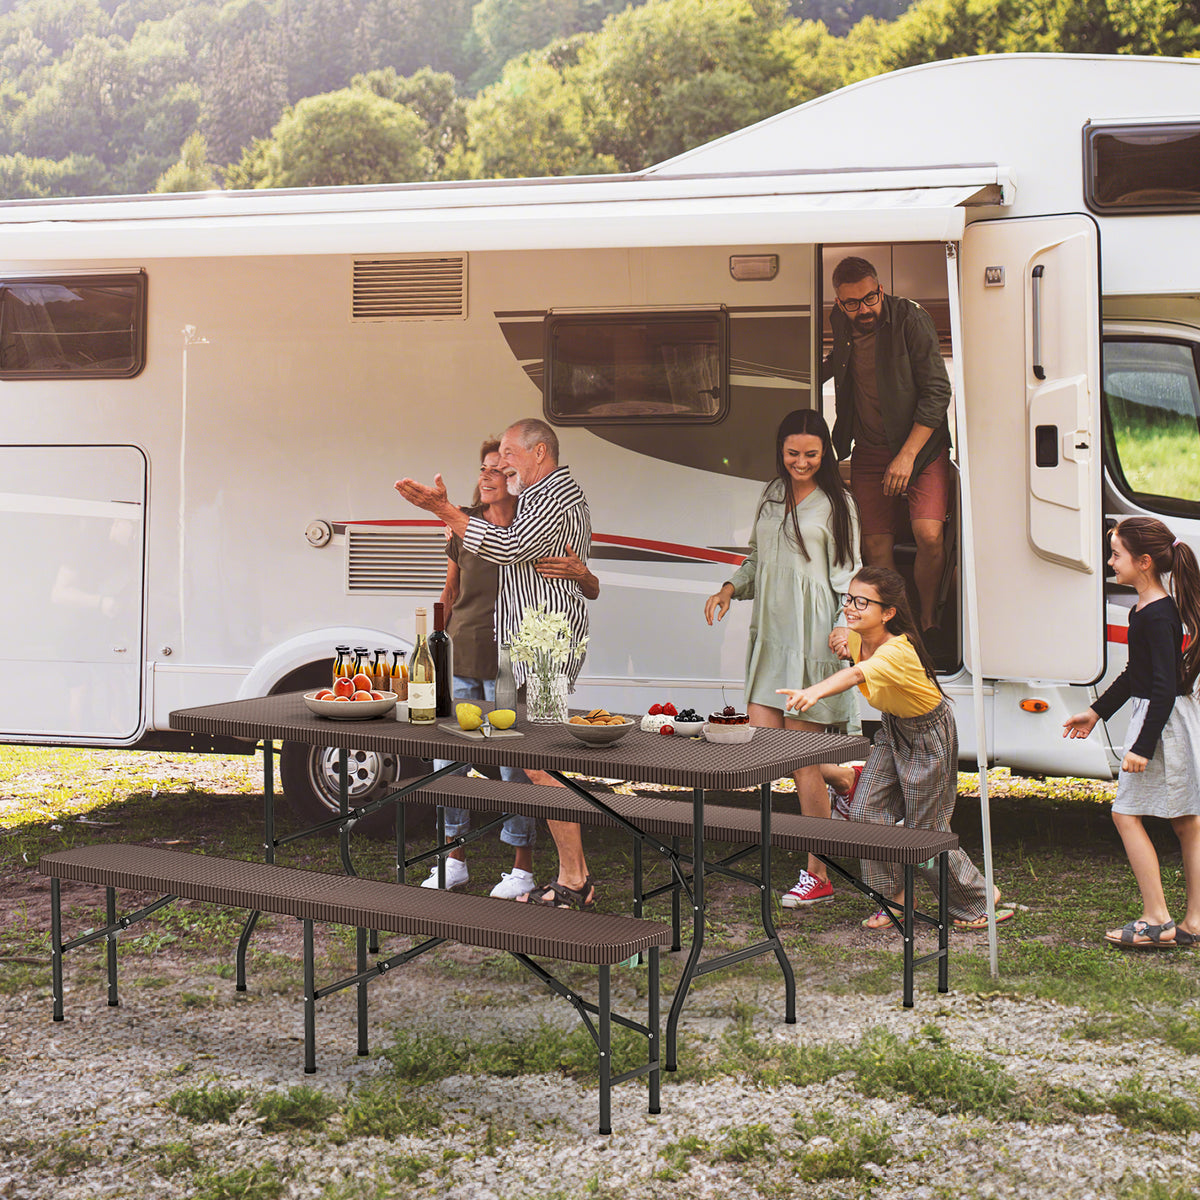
309, 778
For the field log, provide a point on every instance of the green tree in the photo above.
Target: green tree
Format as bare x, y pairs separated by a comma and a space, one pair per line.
25, 178
433, 96
344, 137
244, 91
193, 172
407, 35
840, 16
662, 78
503, 29
528, 125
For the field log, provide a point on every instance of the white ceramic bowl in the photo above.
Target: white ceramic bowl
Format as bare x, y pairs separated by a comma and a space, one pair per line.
687, 728
730, 735
598, 735
350, 710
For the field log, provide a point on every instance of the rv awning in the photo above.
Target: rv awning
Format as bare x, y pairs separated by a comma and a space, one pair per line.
548, 215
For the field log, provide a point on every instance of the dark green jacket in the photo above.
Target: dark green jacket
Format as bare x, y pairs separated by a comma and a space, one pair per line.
914, 388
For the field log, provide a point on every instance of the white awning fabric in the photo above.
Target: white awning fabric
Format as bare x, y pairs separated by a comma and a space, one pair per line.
548, 215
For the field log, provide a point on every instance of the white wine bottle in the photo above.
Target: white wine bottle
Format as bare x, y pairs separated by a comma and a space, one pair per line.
422, 679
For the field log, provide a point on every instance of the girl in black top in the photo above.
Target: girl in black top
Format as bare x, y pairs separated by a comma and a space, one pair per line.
1160, 773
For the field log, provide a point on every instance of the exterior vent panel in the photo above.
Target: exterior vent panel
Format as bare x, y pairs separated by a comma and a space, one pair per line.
395, 562
410, 289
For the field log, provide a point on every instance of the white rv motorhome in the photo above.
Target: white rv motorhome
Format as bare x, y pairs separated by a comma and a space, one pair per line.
205, 398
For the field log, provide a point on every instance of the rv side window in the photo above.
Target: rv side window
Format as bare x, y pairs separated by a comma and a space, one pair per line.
83, 326
1152, 410
1143, 168
636, 367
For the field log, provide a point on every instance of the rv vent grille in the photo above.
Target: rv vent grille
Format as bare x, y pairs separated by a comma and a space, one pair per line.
395, 562
410, 289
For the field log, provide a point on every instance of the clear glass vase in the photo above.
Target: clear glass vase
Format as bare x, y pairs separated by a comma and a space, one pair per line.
546, 698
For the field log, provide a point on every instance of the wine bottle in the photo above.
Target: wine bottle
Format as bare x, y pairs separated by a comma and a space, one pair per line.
422, 680
441, 650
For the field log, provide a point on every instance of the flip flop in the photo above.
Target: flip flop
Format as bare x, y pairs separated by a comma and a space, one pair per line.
978, 923
877, 915
1152, 933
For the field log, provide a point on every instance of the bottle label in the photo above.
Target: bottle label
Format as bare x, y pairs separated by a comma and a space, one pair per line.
422, 700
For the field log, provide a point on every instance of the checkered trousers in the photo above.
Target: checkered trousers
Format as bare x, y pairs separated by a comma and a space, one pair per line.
912, 776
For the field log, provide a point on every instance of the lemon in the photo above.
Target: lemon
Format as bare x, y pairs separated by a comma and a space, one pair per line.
470, 716
502, 718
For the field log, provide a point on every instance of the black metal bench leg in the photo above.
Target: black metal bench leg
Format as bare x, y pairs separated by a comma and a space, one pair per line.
110, 896
655, 1039
56, 951
441, 841
310, 1003
693, 958
361, 946
768, 916
401, 844
908, 935
637, 885
243, 945
676, 916
605, 1049
944, 921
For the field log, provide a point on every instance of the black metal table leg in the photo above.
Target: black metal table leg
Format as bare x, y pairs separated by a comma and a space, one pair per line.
768, 915
111, 905
360, 944
243, 945
56, 950
310, 1003
655, 1039
605, 1049
693, 958
944, 921
909, 902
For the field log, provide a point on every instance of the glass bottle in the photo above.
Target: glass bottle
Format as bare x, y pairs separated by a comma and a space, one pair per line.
422, 680
506, 684
341, 663
380, 675
399, 675
441, 649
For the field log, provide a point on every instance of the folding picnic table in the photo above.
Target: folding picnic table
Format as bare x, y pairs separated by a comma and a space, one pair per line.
680, 761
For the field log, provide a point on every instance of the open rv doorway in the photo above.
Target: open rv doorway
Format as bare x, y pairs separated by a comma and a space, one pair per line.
916, 271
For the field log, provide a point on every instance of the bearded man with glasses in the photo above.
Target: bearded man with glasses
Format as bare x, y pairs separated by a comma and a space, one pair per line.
892, 397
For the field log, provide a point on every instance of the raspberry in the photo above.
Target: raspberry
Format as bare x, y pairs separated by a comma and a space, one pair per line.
667, 729
654, 710
669, 710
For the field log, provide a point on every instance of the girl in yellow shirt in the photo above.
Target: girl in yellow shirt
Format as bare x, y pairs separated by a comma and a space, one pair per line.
912, 771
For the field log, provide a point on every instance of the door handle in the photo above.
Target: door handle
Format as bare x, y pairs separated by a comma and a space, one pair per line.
1039, 371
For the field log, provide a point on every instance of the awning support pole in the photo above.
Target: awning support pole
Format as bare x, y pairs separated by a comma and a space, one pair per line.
971, 594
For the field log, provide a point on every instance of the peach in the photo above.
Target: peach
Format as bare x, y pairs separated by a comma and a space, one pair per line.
341, 699
363, 683
376, 695
324, 694
343, 687
362, 695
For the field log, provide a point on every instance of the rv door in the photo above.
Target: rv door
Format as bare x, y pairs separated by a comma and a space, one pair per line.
71, 628
1031, 370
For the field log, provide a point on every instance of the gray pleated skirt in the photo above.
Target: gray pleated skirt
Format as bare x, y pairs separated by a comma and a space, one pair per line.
1170, 784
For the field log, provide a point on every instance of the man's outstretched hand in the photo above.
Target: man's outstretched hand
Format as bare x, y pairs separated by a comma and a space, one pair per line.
422, 495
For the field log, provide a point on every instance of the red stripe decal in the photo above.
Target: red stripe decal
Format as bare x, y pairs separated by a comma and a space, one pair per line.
1118, 634
696, 552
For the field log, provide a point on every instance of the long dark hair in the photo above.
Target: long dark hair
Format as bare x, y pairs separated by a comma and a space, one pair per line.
893, 593
809, 421
1168, 555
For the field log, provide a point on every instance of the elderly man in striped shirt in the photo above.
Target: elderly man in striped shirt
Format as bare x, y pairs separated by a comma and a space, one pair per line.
534, 554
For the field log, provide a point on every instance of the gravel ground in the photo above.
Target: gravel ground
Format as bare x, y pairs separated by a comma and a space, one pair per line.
97, 1083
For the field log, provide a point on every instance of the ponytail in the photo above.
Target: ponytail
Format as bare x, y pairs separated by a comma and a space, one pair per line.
1185, 587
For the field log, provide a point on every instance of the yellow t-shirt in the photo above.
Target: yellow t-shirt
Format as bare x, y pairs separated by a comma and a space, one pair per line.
894, 679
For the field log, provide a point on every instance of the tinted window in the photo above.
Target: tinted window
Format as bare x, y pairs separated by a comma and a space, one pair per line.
1143, 169
88, 327
636, 366
1152, 410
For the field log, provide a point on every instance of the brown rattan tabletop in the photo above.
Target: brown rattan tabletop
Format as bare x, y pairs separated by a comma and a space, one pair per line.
770, 754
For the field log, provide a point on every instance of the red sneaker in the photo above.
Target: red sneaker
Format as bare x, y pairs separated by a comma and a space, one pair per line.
807, 891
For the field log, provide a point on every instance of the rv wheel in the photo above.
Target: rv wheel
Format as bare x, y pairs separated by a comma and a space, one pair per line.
309, 775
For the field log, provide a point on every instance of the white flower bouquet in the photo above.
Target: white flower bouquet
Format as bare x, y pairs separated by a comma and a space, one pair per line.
544, 646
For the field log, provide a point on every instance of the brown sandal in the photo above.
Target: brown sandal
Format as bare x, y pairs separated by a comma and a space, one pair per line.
556, 895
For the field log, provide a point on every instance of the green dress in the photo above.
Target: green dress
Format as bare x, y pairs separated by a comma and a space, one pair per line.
797, 603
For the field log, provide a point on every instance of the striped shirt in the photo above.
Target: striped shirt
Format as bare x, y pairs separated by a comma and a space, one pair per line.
552, 514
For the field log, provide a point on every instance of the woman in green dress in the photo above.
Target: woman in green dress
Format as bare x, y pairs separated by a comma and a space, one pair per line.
804, 550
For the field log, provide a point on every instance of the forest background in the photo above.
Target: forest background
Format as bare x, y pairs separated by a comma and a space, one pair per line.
127, 96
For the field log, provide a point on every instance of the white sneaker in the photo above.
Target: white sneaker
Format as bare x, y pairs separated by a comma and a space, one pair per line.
456, 874
513, 884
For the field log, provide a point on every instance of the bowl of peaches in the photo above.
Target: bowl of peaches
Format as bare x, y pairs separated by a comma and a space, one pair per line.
350, 699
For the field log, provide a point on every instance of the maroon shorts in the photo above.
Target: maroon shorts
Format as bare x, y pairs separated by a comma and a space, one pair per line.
927, 497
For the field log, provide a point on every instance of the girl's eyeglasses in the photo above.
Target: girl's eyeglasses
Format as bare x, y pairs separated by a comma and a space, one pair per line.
860, 602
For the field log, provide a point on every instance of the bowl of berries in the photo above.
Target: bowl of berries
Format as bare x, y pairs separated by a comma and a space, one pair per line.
688, 723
